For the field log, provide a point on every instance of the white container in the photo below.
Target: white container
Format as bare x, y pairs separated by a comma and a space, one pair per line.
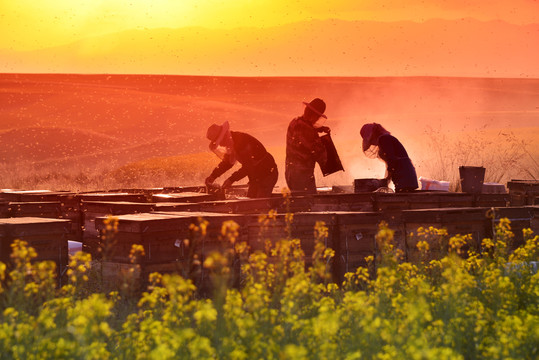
429, 184
74, 247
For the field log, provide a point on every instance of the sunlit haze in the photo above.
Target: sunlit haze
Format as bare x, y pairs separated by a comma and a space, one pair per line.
90, 79
30, 24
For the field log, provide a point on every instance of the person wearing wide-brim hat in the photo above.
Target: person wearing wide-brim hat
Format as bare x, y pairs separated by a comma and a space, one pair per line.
256, 163
378, 142
304, 148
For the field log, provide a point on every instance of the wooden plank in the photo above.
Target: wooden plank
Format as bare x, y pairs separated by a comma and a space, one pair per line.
177, 206
420, 200
343, 202
295, 204
243, 206
32, 195
26, 226
184, 197
491, 200
110, 196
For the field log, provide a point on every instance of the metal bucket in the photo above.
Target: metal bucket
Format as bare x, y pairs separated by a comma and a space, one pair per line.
471, 178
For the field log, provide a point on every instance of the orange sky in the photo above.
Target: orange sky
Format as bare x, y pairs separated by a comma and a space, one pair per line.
35, 24
271, 37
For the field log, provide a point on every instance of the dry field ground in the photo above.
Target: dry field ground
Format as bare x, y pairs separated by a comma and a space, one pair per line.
87, 132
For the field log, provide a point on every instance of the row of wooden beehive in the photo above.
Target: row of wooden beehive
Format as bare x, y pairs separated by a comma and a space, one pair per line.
352, 220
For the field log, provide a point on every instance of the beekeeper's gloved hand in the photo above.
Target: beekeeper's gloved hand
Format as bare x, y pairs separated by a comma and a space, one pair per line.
324, 129
209, 180
227, 184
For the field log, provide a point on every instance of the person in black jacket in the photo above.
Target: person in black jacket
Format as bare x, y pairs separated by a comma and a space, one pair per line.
257, 164
304, 148
378, 142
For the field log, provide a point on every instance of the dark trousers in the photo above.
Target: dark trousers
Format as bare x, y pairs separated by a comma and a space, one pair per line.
262, 186
300, 181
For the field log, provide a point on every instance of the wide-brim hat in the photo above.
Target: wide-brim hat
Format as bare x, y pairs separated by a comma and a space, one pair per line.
318, 106
366, 133
216, 133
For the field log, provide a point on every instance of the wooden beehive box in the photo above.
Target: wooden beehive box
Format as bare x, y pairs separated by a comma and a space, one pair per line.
163, 237
354, 240
47, 209
93, 209
523, 192
302, 227
69, 205
343, 202
520, 218
162, 234
47, 236
455, 220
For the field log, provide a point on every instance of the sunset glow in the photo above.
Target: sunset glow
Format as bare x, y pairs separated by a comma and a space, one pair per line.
29, 24
264, 37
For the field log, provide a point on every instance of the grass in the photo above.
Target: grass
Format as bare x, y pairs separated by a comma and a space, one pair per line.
506, 155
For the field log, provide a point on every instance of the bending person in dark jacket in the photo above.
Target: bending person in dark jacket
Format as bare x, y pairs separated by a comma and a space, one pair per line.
257, 164
378, 142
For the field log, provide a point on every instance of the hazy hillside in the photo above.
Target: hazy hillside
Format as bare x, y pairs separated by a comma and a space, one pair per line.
91, 124
463, 47
128, 118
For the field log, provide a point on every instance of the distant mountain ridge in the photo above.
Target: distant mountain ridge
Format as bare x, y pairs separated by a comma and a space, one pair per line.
465, 47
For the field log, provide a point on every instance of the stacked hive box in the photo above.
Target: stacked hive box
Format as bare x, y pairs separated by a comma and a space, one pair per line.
455, 220
89, 236
520, 218
302, 227
93, 209
523, 192
47, 236
163, 236
355, 240
45, 203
